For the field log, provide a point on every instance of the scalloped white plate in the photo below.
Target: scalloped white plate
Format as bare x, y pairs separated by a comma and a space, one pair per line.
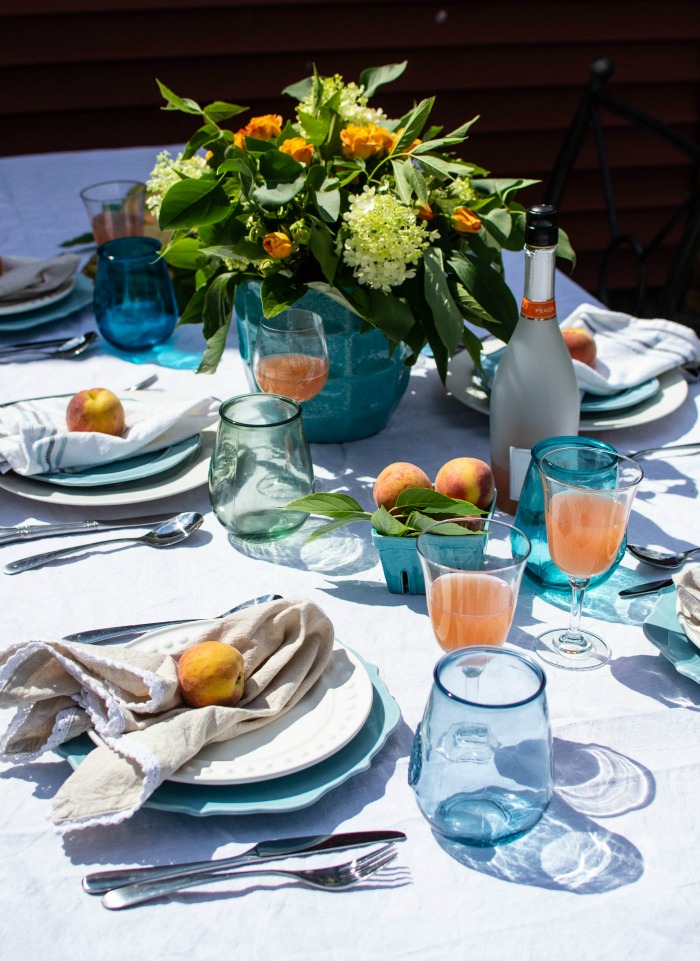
326, 719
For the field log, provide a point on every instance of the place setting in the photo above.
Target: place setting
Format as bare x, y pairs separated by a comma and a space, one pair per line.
630, 371
34, 292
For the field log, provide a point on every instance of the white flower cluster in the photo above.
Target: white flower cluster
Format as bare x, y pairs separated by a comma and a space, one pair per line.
167, 172
353, 103
461, 189
383, 239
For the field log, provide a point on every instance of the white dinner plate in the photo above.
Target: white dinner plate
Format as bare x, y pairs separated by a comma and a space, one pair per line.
193, 474
81, 296
320, 724
462, 384
41, 300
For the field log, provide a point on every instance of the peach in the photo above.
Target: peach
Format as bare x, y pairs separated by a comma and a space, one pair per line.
211, 673
97, 409
467, 479
580, 344
396, 478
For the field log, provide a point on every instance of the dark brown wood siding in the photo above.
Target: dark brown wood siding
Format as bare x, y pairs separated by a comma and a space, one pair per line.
75, 74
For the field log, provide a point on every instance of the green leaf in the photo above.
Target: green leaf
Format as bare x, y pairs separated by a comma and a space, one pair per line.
384, 523
488, 289
278, 293
564, 248
214, 351
208, 134
301, 89
392, 315
218, 305
185, 253
322, 244
193, 203
192, 313
81, 239
328, 505
446, 316
316, 128
404, 186
375, 77
413, 123
334, 525
284, 178
445, 168
435, 502
327, 203
177, 103
220, 110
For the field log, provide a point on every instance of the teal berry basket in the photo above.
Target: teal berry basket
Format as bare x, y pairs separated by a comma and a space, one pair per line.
400, 561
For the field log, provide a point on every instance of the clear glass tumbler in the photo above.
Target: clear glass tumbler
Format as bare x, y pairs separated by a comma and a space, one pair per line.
115, 208
134, 301
261, 461
481, 765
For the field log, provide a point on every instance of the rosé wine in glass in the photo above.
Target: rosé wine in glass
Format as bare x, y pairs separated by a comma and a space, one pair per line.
290, 357
473, 567
588, 494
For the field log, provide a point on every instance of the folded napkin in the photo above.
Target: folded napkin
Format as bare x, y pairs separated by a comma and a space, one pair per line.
34, 437
630, 350
21, 279
130, 698
687, 584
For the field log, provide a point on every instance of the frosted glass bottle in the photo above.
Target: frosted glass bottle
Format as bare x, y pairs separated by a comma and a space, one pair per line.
534, 393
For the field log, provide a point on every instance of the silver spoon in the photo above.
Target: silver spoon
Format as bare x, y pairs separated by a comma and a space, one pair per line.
68, 347
660, 558
164, 535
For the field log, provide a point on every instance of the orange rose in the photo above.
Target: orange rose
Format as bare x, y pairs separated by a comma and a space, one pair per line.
239, 138
424, 212
277, 244
264, 128
465, 221
364, 142
298, 148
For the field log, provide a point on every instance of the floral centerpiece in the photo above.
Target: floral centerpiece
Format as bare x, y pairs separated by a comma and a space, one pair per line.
377, 213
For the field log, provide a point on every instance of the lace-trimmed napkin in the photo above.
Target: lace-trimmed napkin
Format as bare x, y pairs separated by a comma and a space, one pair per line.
688, 601
34, 437
20, 280
630, 350
131, 699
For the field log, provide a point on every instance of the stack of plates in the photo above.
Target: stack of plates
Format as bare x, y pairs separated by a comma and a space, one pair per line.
651, 400
330, 735
147, 477
70, 297
664, 630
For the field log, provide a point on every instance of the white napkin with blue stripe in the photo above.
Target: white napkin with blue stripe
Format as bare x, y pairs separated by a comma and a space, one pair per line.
630, 350
23, 278
34, 437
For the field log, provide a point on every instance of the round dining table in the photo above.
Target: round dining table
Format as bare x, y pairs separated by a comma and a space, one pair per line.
612, 869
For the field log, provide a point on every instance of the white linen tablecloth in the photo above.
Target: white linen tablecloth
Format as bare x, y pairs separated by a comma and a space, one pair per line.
612, 870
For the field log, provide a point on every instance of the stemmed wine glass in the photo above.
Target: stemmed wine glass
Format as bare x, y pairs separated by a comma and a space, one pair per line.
588, 494
291, 355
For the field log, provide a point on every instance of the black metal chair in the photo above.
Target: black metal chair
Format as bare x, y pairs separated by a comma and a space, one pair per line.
669, 302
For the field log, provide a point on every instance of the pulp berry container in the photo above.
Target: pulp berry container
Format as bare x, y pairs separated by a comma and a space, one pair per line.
400, 561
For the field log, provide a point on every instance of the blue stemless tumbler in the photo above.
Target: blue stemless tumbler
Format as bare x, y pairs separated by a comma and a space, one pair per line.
134, 301
481, 765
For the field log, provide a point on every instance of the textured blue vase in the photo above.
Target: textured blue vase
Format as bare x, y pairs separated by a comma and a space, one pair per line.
365, 383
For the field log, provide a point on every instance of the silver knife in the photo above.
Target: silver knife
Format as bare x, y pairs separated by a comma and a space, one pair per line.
104, 881
647, 588
29, 532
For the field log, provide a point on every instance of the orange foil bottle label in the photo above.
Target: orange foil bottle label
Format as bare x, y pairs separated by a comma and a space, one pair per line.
538, 310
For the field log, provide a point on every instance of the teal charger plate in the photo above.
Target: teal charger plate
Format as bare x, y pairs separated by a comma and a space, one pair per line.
280, 795
663, 629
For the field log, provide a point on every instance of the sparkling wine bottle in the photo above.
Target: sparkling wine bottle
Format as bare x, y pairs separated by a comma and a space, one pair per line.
534, 393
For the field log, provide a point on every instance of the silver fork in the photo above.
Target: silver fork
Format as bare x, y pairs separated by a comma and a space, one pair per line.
335, 878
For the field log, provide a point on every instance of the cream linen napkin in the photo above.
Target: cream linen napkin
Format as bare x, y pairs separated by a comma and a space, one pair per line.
20, 280
34, 437
131, 699
630, 350
687, 584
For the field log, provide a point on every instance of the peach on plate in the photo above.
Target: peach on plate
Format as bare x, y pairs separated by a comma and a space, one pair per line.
96, 409
581, 345
211, 673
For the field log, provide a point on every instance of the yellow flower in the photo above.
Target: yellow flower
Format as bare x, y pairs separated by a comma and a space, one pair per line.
298, 148
465, 221
277, 244
364, 142
424, 212
266, 127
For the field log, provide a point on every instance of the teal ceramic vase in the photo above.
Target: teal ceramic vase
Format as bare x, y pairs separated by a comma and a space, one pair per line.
365, 382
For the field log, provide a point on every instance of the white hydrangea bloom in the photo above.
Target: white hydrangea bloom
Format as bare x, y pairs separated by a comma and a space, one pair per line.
461, 189
383, 239
353, 102
167, 172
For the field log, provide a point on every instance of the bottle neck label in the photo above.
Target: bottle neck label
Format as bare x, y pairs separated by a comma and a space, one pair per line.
538, 310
